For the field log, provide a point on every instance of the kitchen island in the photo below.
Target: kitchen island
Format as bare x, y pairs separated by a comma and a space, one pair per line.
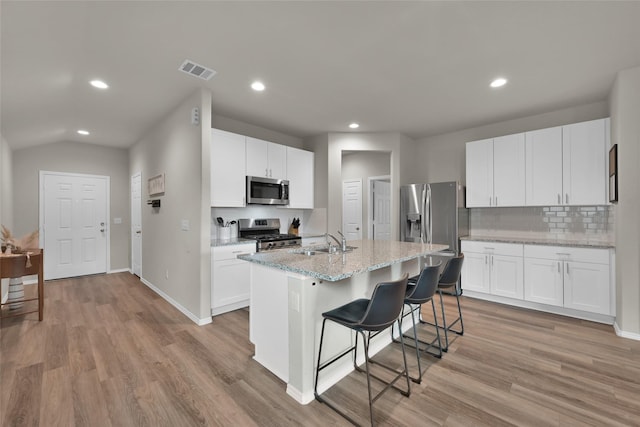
290, 289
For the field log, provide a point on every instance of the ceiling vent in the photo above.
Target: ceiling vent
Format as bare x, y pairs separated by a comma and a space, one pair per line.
197, 70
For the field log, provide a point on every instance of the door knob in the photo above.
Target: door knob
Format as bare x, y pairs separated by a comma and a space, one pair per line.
102, 224
102, 230
357, 228
139, 232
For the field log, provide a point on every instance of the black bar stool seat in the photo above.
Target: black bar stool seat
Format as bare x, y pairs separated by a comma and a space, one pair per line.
367, 317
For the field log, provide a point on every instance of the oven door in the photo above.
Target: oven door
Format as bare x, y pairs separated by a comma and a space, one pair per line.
267, 191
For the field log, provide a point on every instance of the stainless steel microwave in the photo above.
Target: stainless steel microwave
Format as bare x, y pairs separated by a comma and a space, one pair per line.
267, 191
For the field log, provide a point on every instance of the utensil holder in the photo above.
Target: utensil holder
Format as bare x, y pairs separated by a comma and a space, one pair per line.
224, 233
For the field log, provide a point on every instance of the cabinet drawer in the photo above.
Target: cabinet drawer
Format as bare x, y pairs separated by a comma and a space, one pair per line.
232, 251
563, 253
496, 248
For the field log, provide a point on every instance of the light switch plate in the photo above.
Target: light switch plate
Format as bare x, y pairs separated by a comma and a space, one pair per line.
185, 225
117, 220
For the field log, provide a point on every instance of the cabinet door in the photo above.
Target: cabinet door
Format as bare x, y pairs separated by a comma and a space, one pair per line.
479, 167
277, 161
257, 163
300, 167
227, 169
543, 281
543, 169
584, 163
587, 287
475, 272
507, 276
508, 170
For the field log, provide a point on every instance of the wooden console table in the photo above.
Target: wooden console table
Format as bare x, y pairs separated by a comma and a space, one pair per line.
15, 265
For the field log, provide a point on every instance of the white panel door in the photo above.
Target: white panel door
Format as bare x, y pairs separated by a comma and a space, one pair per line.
584, 163
543, 170
381, 210
508, 170
507, 276
74, 219
475, 272
543, 281
587, 287
352, 209
136, 224
479, 167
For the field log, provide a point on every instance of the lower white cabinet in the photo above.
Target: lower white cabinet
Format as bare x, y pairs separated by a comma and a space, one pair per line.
565, 280
575, 278
230, 278
494, 268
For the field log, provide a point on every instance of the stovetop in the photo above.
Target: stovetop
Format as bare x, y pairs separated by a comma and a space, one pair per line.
267, 233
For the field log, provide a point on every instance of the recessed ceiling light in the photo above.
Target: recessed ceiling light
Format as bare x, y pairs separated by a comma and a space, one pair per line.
257, 86
354, 125
99, 84
83, 132
499, 82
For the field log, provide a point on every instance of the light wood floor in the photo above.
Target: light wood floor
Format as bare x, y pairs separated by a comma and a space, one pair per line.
110, 352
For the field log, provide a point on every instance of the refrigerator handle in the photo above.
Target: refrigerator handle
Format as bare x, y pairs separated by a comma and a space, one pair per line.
423, 219
427, 211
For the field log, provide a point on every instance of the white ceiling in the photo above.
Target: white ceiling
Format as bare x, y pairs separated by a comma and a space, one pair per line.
419, 68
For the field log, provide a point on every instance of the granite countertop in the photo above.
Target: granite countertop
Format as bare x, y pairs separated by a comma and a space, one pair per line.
229, 242
368, 255
582, 242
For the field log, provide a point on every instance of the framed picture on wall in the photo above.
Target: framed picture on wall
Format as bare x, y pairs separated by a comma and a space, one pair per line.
156, 185
613, 174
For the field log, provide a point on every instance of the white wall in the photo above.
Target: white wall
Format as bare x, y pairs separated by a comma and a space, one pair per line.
176, 262
73, 157
625, 131
231, 125
6, 198
396, 144
442, 157
363, 165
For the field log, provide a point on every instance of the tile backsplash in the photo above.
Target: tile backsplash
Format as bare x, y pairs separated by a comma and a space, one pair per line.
554, 221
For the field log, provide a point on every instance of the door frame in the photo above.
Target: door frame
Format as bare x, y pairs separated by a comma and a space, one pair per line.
41, 200
131, 236
370, 205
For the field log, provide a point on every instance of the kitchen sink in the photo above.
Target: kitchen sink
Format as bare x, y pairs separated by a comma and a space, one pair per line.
313, 250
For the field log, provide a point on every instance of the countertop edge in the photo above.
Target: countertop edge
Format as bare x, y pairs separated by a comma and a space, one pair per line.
540, 241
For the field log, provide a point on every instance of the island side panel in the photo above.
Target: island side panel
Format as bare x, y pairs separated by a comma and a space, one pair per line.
269, 320
308, 299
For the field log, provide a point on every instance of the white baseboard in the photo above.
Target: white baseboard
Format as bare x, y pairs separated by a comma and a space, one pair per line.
183, 310
119, 270
623, 334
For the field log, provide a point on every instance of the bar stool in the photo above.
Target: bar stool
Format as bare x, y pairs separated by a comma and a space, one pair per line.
448, 280
368, 317
418, 293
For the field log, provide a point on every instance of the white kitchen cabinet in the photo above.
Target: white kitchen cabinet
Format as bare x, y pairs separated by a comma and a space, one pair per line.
495, 268
496, 172
230, 278
584, 154
227, 169
479, 167
566, 165
574, 278
543, 167
300, 173
266, 159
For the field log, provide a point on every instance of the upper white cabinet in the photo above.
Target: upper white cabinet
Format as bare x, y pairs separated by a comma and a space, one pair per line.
227, 169
544, 167
496, 172
584, 154
300, 173
566, 165
266, 159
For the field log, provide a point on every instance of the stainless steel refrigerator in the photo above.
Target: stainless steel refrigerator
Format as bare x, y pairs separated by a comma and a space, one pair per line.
434, 213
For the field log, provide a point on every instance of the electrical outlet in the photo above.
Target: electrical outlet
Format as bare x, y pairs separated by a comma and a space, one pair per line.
185, 225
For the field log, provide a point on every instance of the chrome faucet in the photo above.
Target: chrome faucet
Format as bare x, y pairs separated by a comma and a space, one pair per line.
341, 243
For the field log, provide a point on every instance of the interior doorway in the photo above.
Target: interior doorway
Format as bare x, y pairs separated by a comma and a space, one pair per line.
352, 209
380, 207
136, 224
74, 220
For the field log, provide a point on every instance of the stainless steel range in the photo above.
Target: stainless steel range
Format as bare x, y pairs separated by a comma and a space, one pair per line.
267, 233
